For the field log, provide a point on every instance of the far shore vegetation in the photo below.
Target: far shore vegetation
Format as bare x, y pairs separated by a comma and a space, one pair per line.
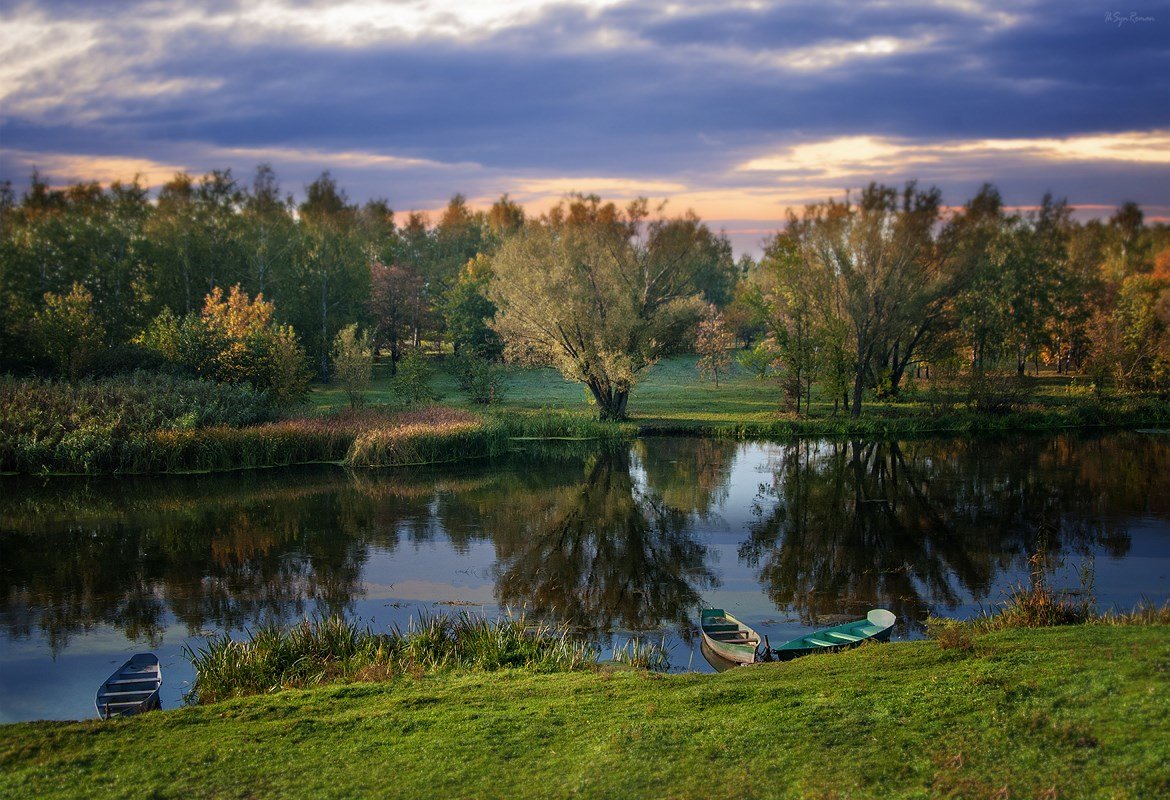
157, 423
220, 325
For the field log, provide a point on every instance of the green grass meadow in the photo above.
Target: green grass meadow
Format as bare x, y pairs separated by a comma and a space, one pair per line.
1072, 712
672, 399
671, 391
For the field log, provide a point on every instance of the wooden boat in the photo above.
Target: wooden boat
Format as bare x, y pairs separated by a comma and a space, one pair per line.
132, 689
727, 637
877, 626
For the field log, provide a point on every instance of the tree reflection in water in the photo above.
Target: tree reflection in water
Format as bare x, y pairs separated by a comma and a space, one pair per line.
218, 551
923, 526
576, 539
600, 553
601, 539
688, 474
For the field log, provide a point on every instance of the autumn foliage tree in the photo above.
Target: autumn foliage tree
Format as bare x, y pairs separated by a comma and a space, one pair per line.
468, 312
234, 339
714, 343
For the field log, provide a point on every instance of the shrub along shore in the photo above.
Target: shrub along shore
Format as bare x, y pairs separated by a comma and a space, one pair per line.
155, 424
149, 423
1090, 414
1069, 712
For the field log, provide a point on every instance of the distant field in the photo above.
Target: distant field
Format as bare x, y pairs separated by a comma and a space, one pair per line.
672, 393
671, 390
95, 428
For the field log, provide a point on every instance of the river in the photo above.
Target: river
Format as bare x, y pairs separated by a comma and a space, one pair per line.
615, 541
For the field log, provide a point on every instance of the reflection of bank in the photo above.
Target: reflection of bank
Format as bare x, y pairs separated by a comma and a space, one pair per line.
580, 536
932, 525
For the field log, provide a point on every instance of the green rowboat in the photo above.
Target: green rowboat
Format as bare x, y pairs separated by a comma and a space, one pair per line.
727, 637
877, 626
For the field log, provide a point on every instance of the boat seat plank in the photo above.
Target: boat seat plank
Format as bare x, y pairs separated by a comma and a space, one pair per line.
140, 692
821, 642
847, 637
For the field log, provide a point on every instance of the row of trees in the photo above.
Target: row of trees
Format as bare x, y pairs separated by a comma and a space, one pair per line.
857, 294
324, 262
853, 296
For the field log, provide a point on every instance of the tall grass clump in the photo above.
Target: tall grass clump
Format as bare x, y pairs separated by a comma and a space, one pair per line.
427, 436
274, 658
475, 642
643, 654
1144, 613
950, 634
333, 649
1039, 605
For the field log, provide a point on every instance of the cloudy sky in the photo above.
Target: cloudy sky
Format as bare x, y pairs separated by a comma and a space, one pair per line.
736, 109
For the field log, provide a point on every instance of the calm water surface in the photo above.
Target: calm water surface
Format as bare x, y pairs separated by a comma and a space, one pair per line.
616, 543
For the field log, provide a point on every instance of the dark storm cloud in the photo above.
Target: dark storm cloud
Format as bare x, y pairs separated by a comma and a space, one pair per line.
627, 91
793, 25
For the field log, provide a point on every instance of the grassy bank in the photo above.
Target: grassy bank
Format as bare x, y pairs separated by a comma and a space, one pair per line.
1071, 712
151, 424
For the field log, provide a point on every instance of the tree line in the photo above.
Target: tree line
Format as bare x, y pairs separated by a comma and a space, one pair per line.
323, 263
239, 281
856, 294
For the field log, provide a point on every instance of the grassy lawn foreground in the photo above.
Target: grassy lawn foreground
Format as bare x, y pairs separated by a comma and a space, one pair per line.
1066, 712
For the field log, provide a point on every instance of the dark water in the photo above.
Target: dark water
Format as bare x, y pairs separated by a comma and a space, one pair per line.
786, 536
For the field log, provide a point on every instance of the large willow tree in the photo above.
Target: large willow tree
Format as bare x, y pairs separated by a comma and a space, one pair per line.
599, 293
881, 257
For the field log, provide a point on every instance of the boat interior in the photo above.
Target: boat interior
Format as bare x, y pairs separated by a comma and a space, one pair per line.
735, 637
719, 629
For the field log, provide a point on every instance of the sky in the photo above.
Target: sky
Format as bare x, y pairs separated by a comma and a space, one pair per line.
736, 109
